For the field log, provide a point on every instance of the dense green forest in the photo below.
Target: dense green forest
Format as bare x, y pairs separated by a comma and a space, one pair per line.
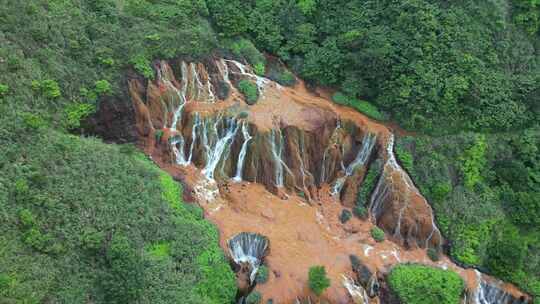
463, 75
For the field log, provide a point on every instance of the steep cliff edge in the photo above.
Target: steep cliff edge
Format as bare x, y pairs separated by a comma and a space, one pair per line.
285, 167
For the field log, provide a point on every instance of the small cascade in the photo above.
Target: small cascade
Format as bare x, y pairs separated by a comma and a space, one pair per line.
368, 142
177, 146
491, 293
224, 71
215, 152
277, 151
196, 126
333, 139
396, 182
250, 248
245, 71
357, 292
243, 152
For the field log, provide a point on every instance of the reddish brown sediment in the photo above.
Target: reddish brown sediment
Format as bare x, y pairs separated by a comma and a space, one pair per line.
301, 217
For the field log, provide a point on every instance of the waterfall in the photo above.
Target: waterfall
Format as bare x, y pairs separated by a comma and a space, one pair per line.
385, 187
248, 248
491, 293
243, 151
277, 151
196, 125
368, 142
215, 152
260, 81
357, 292
224, 71
178, 151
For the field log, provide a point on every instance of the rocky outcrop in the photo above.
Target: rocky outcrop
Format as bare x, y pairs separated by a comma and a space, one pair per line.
114, 121
193, 121
295, 145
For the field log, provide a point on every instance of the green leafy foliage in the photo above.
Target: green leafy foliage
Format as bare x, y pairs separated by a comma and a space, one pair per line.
262, 275
411, 59
254, 298
418, 284
249, 90
4, 89
317, 279
345, 216
78, 223
103, 87
368, 184
75, 112
473, 162
360, 105
377, 234
433, 254
142, 65
360, 212
48, 88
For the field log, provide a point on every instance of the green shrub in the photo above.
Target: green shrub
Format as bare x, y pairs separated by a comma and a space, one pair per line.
405, 158
441, 190
27, 218
377, 234
107, 61
359, 105
48, 88
473, 162
244, 48
418, 284
158, 135
103, 87
433, 254
243, 115
142, 65
254, 297
33, 121
4, 89
362, 197
262, 275
360, 212
76, 112
259, 68
249, 90
160, 250
345, 216
317, 279
286, 78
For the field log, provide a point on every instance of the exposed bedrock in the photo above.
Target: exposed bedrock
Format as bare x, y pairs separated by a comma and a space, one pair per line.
289, 142
193, 120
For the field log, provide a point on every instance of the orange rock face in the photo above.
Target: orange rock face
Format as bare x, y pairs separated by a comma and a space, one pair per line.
285, 168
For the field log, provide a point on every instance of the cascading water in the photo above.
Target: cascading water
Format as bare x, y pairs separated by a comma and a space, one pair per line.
216, 152
224, 71
245, 71
368, 142
385, 186
490, 293
277, 150
357, 292
177, 146
243, 152
249, 248
196, 126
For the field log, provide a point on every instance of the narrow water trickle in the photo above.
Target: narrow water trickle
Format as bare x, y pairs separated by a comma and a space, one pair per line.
368, 142
243, 152
277, 150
